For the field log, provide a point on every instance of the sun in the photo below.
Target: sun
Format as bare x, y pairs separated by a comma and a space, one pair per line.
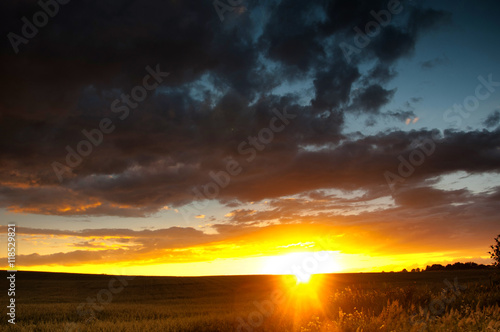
302, 277
305, 292
302, 264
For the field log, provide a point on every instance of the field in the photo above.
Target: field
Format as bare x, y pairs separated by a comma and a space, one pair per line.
422, 301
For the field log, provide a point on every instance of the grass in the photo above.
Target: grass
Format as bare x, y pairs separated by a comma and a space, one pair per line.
423, 301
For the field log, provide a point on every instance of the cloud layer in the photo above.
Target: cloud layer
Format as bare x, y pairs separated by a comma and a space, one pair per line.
225, 82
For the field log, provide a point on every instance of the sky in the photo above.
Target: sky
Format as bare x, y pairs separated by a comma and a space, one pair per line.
245, 137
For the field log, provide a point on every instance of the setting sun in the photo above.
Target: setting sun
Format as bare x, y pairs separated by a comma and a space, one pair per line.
302, 264
302, 278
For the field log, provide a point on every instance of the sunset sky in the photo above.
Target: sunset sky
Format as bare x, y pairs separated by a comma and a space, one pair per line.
207, 146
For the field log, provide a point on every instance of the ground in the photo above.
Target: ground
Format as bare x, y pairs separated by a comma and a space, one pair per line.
421, 301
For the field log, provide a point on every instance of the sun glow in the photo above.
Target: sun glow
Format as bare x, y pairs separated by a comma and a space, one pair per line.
302, 264
305, 297
302, 278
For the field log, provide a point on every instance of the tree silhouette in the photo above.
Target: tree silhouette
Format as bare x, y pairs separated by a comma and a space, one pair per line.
495, 252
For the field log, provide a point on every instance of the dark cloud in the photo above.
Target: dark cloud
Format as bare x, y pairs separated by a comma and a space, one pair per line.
333, 87
381, 73
276, 171
371, 98
493, 119
221, 90
422, 197
294, 45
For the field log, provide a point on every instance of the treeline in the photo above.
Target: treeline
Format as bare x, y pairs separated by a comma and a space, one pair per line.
458, 266
452, 267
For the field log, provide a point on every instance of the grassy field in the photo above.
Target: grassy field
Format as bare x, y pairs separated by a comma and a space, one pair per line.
425, 301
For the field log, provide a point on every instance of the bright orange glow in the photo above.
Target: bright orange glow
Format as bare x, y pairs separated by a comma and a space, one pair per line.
47, 210
305, 298
301, 252
79, 208
304, 287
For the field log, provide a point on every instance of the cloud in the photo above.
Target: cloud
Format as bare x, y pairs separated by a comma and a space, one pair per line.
493, 119
422, 197
438, 61
416, 223
353, 164
223, 85
372, 98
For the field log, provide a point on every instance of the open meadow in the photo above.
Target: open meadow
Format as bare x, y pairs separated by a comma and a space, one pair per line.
421, 301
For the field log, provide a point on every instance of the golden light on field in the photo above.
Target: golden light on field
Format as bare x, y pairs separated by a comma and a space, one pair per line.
304, 279
306, 294
304, 286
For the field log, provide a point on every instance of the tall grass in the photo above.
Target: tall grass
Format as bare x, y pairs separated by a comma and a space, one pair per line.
350, 302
